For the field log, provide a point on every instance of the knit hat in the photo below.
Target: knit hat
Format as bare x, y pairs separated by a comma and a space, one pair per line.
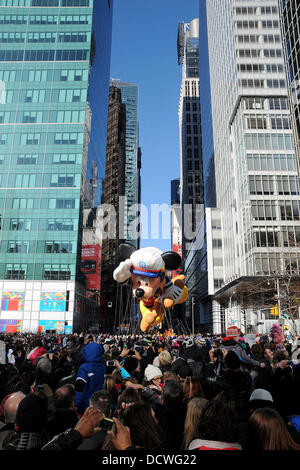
261, 394
151, 372
233, 331
32, 414
188, 342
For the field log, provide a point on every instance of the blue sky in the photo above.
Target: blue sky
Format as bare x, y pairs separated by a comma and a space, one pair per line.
144, 52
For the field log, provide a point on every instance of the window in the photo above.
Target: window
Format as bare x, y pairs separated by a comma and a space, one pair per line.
20, 224
15, 271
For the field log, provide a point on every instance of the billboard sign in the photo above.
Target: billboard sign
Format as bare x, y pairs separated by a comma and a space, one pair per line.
91, 265
53, 302
12, 301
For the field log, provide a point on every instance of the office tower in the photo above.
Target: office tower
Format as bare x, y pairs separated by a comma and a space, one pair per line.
114, 189
290, 19
176, 235
130, 99
191, 180
256, 178
54, 64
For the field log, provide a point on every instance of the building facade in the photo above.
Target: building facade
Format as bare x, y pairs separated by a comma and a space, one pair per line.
114, 189
191, 179
129, 93
290, 20
53, 56
256, 177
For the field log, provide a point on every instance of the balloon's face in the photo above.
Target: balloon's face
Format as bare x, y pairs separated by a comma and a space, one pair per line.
145, 288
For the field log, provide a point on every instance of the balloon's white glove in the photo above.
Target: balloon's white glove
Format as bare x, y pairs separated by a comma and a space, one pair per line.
122, 272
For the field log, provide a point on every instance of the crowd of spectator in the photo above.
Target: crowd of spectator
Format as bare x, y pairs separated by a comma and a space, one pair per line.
156, 392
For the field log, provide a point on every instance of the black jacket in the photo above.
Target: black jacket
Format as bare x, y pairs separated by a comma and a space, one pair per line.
60, 421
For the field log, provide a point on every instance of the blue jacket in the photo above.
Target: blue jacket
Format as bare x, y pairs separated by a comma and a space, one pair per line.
92, 372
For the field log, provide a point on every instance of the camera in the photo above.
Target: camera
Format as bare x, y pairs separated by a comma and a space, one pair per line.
110, 363
106, 424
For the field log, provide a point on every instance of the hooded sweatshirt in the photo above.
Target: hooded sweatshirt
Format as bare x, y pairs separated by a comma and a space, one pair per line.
91, 372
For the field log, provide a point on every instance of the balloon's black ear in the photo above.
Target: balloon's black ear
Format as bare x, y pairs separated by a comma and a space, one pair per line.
172, 260
126, 250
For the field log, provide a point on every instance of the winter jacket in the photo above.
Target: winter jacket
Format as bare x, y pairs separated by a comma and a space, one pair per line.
35, 353
172, 424
91, 374
231, 345
60, 421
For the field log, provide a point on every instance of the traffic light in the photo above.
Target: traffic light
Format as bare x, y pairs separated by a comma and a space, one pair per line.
274, 311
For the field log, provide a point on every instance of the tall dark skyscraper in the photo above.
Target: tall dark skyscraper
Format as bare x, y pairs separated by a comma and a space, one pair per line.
54, 67
114, 189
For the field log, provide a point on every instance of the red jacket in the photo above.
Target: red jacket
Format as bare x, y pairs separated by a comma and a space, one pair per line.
35, 353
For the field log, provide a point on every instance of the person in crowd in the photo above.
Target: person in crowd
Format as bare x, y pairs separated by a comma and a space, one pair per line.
90, 376
31, 420
238, 384
232, 343
64, 416
37, 351
218, 427
163, 361
144, 429
171, 414
267, 431
194, 410
10, 413
192, 388
102, 401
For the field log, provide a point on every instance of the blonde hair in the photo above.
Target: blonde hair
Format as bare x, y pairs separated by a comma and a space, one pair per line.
194, 410
164, 358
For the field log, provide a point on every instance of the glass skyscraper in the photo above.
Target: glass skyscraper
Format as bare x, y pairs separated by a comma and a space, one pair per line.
129, 93
54, 68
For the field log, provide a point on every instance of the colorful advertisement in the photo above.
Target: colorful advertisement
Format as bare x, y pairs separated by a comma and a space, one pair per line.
10, 326
178, 249
53, 302
12, 301
57, 325
91, 256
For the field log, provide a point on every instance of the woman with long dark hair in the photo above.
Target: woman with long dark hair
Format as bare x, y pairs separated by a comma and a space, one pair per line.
267, 431
144, 429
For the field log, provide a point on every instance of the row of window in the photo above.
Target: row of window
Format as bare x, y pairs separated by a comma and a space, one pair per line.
269, 24
271, 162
62, 272
44, 55
256, 83
37, 180
259, 53
33, 246
52, 138
282, 185
45, 96
270, 68
44, 203
268, 237
49, 225
269, 142
268, 264
267, 122
267, 210
255, 10
63, 117
45, 3
63, 75
44, 37
39, 159
189, 129
62, 19
265, 103
256, 38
